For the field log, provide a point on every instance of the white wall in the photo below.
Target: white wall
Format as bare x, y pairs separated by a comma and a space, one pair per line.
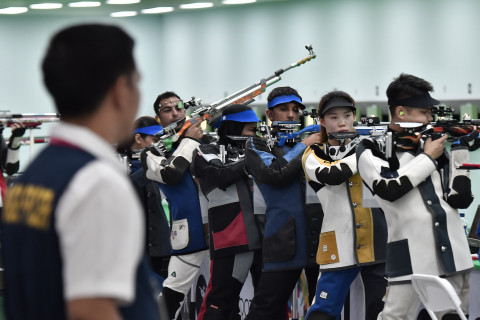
213, 52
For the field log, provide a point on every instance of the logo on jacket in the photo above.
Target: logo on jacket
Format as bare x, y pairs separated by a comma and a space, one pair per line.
324, 295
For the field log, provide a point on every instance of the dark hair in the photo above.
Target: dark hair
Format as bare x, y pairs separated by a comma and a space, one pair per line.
282, 91
229, 127
82, 63
146, 121
406, 86
165, 95
327, 97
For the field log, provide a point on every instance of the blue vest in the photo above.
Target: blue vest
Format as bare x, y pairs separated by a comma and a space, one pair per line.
285, 243
184, 204
30, 244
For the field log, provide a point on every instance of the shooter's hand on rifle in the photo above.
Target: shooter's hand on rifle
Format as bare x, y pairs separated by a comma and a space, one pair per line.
311, 139
195, 131
18, 129
471, 141
434, 148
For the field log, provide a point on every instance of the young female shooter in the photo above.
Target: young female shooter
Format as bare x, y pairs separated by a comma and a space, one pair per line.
353, 238
235, 230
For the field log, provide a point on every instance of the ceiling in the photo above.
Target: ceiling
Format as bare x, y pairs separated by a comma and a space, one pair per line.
106, 9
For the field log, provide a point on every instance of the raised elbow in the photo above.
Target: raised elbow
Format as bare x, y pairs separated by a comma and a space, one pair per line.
462, 196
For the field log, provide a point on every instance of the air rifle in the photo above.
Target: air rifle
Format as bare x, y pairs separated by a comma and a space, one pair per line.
212, 112
446, 124
367, 127
285, 131
267, 134
373, 128
234, 152
30, 120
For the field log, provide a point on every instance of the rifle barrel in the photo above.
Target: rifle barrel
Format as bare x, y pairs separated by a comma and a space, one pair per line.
257, 85
244, 93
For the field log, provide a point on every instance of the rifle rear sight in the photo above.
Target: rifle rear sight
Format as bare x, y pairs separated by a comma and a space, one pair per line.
442, 111
370, 121
285, 125
312, 113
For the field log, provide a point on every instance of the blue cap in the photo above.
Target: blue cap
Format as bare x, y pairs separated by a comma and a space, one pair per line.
244, 116
286, 99
150, 130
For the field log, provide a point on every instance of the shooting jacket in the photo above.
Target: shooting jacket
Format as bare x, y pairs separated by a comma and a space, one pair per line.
419, 197
351, 234
234, 227
291, 226
172, 172
158, 226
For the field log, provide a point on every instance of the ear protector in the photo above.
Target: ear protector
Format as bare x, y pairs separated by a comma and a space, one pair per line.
401, 113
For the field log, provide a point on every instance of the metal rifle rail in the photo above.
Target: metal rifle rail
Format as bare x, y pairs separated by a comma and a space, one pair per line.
372, 127
28, 119
267, 134
286, 131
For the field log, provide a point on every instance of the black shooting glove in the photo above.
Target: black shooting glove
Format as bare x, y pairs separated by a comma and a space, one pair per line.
16, 138
471, 141
18, 132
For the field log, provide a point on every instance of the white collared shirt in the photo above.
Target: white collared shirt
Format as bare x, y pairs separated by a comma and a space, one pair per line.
99, 222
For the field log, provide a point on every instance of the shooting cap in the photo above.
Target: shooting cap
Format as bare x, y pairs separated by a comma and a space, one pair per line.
286, 99
339, 101
420, 101
242, 114
150, 130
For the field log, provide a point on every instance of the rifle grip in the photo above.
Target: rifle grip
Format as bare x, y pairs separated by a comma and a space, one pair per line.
436, 135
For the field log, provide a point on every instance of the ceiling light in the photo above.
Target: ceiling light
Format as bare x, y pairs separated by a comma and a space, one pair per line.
46, 6
85, 4
13, 10
157, 10
122, 1
197, 5
238, 1
121, 14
